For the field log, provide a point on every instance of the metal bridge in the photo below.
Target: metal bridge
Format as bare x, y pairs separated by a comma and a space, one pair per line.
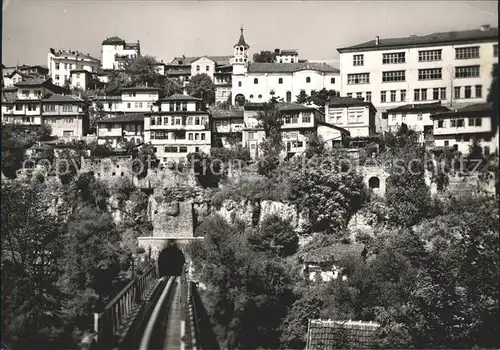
154, 312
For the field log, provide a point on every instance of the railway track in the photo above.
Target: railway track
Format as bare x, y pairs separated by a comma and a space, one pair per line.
164, 328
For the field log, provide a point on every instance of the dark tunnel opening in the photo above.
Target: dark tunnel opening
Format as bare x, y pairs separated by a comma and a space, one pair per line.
171, 261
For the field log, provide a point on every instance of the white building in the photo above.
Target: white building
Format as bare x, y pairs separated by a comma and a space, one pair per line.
115, 51
416, 116
287, 56
259, 82
139, 99
225, 124
179, 125
35, 102
355, 115
298, 122
457, 128
126, 127
451, 67
61, 63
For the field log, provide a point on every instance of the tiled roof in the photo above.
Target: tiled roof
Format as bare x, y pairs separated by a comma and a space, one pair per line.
219, 60
32, 82
113, 40
241, 41
342, 130
62, 98
131, 46
220, 113
430, 39
330, 334
289, 52
419, 107
73, 54
287, 106
475, 109
333, 253
290, 67
336, 101
180, 97
140, 88
108, 98
125, 118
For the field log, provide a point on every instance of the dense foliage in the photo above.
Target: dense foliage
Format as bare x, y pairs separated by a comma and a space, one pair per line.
202, 86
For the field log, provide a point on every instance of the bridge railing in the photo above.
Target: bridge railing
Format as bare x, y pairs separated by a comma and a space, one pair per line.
107, 323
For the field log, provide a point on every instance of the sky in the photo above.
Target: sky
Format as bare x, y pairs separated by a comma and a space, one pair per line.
195, 28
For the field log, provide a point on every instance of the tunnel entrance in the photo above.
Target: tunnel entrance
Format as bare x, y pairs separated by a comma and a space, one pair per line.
171, 261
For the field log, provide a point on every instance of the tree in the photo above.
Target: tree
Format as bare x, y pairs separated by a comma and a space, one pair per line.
144, 159
264, 57
493, 96
171, 86
95, 114
202, 86
302, 98
207, 169
117, 80
271, 120
275, 236
315, 145
142, 71
321, 97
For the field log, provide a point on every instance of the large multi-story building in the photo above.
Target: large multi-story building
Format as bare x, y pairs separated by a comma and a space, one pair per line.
298, 122
61, 63
115, 51
452, 67
259, 82
36, 102
138, 99
128, 127
178, 125
457, 128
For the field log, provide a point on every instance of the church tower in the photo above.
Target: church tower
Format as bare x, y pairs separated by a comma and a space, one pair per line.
240, 65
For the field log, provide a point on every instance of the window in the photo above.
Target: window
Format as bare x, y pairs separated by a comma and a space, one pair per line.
165, 120
460, 123
197, 68
442, 93
65, 66
440, 124
479, 91
429, 55
465, 53
288, 96
332, 80
67, 108
31, 107
393, 57
420, 94
467, 72
403, 95
49, 108
306, 117
383, 96
486, 150
196, 136
308, 79
57, 76
255, 81
478, 121
128, 104
190, 136
398, 75
453, 123
456, 91
358, 60
202, 136
251, 96
435, 94
495, 50
471, 121
280, 80
184, 106
239, 84
359, 78
359, 95
403, 117
207, 68
393, 95
468, 93
368, 96
393, 117
57, 66
77, 75
349, 94
251, 135
430, 74
419, 116
446, 143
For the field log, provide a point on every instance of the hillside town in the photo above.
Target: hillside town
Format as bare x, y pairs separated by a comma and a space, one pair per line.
255, 199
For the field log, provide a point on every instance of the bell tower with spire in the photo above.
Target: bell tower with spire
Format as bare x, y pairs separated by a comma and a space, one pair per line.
240, 65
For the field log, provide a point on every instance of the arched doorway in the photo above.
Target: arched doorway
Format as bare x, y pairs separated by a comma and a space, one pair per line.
171, 261
239, 100
374, 182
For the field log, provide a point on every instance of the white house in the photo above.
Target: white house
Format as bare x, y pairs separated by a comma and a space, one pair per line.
355, 115
416, 116
115, 51
452, 67
61, 63
287, 56
128, 127
226, 123
457, 128
178, 125
259, 82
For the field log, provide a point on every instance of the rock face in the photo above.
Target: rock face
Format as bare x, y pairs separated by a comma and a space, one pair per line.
171, 218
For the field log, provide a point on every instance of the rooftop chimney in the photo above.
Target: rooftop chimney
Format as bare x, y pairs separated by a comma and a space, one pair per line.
377, 40
485, 27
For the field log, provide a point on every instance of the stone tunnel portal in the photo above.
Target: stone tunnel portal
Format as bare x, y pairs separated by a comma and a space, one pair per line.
171, 261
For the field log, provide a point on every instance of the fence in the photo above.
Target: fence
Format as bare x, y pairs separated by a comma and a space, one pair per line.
107, 323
